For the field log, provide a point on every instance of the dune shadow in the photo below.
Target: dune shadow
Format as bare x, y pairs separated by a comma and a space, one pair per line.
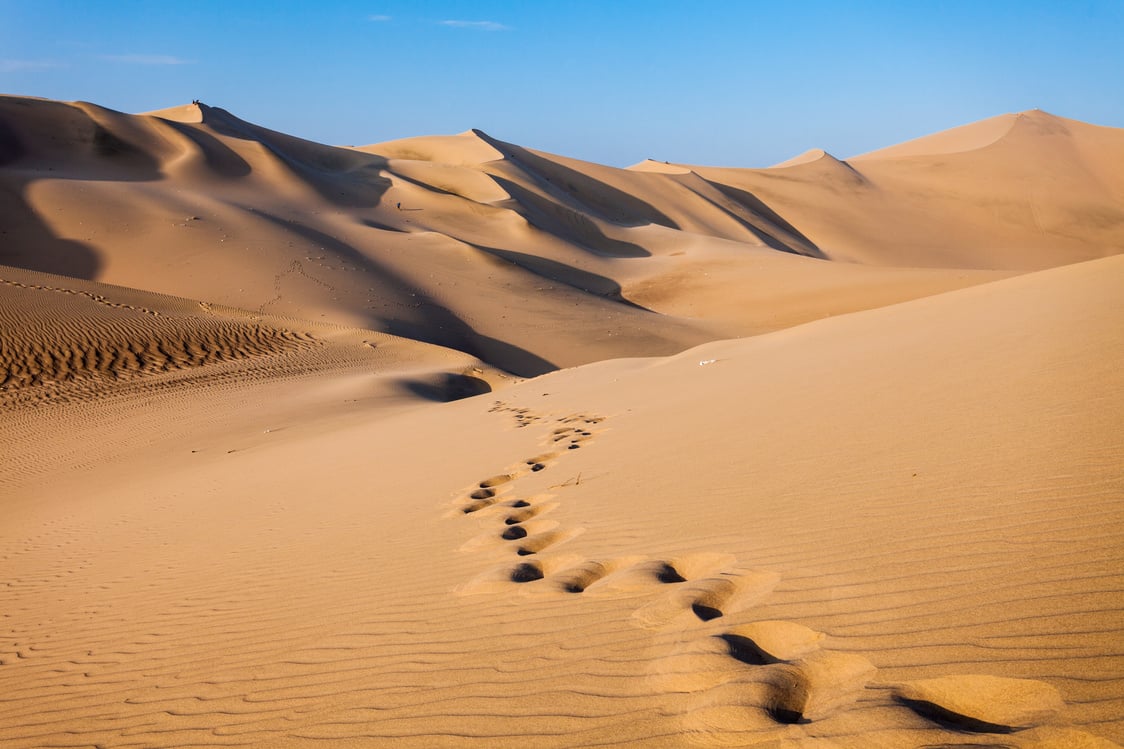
343, 176
576, 278
507, 356
951, 720
71, 145
371, 223
596, 197
773, 230
217, 155
448, 387
11, 149
567, 224
746, 650
27, 242
419, 315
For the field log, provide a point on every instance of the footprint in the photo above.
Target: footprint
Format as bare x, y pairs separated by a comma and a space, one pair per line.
576, 580
539, 462
817, 686
709, 598
717, 595
477, 505
496, 580
485, 496
527, 572
516, 531
667, 574
644, 574
536, 543
501, 538
983, 704
766, 642
496, 481
526, 512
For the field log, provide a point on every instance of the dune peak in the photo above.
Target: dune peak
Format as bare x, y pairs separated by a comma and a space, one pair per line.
663, 167
189, 113
808, 157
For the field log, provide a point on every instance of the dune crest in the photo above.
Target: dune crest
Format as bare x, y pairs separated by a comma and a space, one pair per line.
969, 137
190, 113
811, 155
465, 149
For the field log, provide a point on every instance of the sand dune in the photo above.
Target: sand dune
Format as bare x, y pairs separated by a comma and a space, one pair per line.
1021, 191
903, 492
225, 211
452, 442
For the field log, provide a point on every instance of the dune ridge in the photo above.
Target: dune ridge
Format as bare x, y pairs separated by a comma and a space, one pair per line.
233, 206
451, 442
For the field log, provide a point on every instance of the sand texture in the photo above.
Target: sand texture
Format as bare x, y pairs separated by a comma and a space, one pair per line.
448, 442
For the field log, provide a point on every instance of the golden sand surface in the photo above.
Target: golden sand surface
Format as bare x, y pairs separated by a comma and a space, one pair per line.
449, 442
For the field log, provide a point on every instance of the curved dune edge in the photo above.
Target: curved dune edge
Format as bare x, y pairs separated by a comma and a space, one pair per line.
960, 139
808, 157
185, 113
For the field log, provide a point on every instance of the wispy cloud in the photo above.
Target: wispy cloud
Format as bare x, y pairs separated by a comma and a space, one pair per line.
29, 66
478, 25
378, 18
148, 59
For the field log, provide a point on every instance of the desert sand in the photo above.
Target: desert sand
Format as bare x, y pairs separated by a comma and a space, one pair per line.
450, 442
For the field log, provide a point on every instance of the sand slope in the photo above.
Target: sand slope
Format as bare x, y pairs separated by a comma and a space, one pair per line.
197, 203
1021, 191
124, 369
936, 505
248, 499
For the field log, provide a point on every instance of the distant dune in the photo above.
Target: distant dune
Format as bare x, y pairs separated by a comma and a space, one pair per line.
451, 442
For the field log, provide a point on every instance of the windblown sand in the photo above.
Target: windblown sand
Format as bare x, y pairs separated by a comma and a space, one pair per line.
448, 442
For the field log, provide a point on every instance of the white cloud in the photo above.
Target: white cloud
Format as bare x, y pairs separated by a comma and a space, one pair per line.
29, 66
378, 19
148, 59
478, 25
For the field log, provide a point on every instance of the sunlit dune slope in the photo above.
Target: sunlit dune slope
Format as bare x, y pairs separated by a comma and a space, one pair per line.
899, 527
1021, 191
451, 442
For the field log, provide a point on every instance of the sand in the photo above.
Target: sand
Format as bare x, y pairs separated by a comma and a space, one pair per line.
452, 442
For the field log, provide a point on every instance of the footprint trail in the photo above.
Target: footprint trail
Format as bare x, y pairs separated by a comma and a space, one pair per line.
710, 655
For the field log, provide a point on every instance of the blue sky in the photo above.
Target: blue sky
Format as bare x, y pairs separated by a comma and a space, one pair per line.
733, 83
